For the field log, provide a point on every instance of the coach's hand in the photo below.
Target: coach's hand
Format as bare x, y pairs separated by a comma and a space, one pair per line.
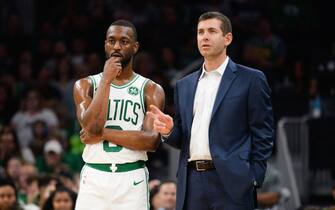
162, 123
88, 138
112, 68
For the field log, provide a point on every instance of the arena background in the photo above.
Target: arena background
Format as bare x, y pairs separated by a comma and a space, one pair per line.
47, 45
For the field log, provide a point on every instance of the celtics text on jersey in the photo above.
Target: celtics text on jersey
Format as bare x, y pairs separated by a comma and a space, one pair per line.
126, 111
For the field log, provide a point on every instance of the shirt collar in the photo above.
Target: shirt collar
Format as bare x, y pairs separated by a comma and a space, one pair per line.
219, 70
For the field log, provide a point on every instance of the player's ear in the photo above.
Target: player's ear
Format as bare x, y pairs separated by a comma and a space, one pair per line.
136, 47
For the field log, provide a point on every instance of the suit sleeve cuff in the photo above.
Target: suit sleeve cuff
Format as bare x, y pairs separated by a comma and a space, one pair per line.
166, 136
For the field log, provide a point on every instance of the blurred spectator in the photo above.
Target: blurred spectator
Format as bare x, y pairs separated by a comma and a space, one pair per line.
9, 147
298, 78
61, 199
64, 82
247, 13
50, 93
64, 75
78, 50
167, 193
154, 199
296, 20
55, 160
51, 161
33, 111
169, 21
59, 51
13, 169
144, 63
324, 73
168, 63
8, 200
28, 191
6, 62
315, 103
187, 51
164, 196
267, 51
99, 21
69, 181
80, 71
46, 184
26, 57
14, 36
272, 195
44, 52
153, 184
94, 63
40, 137
30, 200
25, 79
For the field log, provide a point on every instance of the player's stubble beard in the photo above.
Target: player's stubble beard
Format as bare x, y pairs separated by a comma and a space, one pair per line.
125, 60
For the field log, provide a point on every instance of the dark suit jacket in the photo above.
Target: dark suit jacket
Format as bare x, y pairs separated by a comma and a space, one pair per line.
240, 132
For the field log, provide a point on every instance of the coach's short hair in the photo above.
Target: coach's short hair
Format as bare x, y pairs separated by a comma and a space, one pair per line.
126, 23
225, 22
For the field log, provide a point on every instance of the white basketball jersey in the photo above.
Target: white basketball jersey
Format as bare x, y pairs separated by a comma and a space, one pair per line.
126, 111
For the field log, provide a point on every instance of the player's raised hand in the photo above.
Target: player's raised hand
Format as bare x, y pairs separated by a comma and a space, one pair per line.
162, 123
112, 68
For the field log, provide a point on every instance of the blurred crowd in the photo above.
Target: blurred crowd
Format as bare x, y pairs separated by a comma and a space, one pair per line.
45, 46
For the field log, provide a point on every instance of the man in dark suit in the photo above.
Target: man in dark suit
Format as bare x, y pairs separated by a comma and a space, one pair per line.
223, 126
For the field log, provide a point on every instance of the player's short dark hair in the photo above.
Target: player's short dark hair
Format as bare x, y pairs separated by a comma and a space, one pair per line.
225, 22
126, 23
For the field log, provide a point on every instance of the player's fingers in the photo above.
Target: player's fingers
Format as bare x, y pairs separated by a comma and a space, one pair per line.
155, 110
82, 139
118, 60
163, 117
154, 116
159, 123
157, 117
114, 61
151, 115
160, 129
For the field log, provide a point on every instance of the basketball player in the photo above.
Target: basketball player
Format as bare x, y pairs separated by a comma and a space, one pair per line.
111, 109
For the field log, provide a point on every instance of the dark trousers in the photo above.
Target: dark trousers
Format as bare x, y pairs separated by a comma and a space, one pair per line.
206, 192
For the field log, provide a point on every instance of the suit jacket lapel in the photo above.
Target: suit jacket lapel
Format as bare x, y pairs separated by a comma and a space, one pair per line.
190, 97
227, 79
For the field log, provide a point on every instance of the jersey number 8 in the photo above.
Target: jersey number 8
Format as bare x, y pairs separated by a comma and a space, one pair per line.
106, 144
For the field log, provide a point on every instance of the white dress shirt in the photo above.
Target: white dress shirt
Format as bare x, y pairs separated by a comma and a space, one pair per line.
205, 95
